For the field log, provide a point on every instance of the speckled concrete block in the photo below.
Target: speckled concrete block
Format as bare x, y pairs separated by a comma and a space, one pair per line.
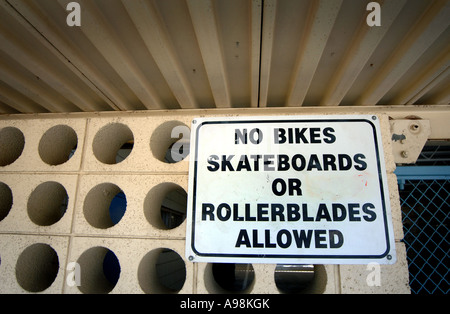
31, 263
54, 145
396, 211
40, 203
373, 278
144, 195
152, 137
264, 281
136, 259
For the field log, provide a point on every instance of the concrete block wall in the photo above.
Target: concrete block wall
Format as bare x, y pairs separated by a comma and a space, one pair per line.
54, 209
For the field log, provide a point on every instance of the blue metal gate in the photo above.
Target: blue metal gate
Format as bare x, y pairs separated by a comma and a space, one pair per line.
425, 199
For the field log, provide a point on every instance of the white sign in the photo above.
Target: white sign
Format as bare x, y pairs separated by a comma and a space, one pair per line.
288, 189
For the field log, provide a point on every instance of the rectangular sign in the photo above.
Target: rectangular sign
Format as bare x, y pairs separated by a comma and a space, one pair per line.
288, 189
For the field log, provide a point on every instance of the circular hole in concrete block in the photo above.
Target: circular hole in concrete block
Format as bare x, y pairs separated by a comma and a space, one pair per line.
58, 144
12, 143
162, 271
310, 279
37, 267
229, 278
6, 200
113, 143
165, 206
99, 270
104, 205
169, 142
47, 203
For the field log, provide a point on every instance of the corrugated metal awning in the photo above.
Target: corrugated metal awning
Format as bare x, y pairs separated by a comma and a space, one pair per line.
172, 54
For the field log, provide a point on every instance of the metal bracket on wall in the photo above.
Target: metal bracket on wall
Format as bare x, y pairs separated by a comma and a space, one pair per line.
408, 138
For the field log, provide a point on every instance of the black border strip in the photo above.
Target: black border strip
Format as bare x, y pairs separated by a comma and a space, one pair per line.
290, 255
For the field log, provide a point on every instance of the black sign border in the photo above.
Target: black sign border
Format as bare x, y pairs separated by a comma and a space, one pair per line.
290, 256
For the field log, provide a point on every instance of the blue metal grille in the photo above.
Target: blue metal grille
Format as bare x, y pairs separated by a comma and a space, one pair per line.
425, 211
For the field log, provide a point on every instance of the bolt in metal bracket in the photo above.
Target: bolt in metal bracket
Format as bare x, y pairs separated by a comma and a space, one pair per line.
408, 138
